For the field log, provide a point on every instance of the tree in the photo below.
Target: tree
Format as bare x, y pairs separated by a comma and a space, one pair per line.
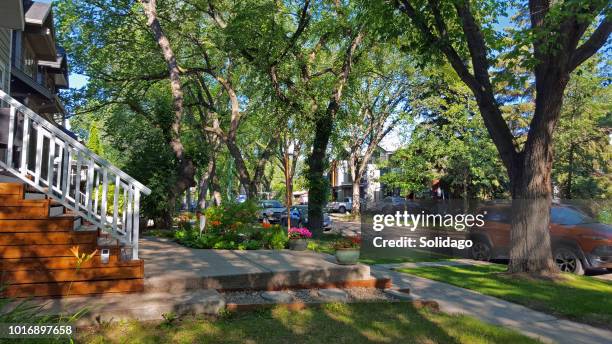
186, 168
309, 71
583, 153
557, 36
449, 143
375, 103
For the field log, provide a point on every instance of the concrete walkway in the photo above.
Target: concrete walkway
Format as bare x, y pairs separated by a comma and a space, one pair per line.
451, 299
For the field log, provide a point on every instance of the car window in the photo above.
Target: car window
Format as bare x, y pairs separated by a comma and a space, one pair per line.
271, 204
497, 216
568, 216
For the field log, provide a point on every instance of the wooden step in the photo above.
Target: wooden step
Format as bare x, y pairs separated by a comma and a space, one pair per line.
59, 223
24, 209
66, 275
11, 189
40, 251
11, 197
48, 238
74, 288
20, 264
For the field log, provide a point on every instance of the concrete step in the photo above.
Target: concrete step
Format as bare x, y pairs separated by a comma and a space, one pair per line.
34, 195
171, 267
141, 306
56, 210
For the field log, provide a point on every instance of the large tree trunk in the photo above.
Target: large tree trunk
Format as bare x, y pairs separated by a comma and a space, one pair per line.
205, 183
216, 188
186, 168
356, 209
318, 185
356, 176
531, 250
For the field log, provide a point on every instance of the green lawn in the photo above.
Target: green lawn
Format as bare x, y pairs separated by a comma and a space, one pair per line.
331, 323
581, 298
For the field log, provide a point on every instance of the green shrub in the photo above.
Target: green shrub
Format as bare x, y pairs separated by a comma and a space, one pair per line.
275, 237
230, 216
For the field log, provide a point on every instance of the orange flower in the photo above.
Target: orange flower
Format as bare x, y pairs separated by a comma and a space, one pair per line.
266, 225
215, 223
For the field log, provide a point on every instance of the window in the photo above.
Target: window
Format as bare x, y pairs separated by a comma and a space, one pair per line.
568, 216
29, 61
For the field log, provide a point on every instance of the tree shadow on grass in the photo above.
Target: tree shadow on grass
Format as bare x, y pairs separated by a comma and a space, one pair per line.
327, 323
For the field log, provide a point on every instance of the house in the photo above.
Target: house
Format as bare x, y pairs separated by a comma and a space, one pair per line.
38, 66
371, 189
11, 18
59, 201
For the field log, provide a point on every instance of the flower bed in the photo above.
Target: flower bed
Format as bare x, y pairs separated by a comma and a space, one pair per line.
233, 226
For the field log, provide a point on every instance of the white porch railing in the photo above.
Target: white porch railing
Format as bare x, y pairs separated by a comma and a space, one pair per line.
51, 161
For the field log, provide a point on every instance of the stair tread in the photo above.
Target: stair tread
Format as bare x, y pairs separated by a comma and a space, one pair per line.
24, 203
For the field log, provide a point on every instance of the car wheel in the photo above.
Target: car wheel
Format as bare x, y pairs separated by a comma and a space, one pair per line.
342, 209
481, 250
568, 261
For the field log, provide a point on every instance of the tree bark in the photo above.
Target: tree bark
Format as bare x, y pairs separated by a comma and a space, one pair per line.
216, 188
531, 249
205, 183
356, 177
186, 168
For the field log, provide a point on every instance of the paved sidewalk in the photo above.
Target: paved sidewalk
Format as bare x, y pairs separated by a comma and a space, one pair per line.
451, 299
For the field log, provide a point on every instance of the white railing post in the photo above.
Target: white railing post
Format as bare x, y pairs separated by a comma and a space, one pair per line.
104, 196
136, 224
50, 164
38, 160
11, 136
116, 203
89, 185
24, 148
67, 167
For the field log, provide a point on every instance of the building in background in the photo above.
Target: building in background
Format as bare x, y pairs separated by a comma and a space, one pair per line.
370, 188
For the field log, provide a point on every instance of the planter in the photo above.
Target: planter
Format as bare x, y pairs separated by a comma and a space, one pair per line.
298, 244
347, 256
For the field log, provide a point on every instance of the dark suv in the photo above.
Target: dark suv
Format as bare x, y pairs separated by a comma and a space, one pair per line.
578, 241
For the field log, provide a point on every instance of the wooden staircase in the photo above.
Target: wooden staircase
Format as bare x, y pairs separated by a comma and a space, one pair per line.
36, 238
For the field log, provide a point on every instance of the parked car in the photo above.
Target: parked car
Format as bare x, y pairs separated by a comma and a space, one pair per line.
578, 241
271, 210
340, 206
388, 205
299, 217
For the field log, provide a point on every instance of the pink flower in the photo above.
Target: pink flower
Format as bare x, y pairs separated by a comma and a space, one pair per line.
299, 233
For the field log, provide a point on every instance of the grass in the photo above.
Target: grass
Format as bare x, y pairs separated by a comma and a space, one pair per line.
330, 323
581, 298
